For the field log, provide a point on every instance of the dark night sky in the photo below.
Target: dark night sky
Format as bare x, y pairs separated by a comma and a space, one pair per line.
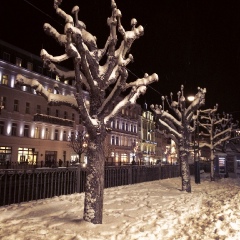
189, 42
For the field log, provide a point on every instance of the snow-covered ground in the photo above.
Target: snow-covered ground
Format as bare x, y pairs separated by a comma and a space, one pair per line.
146, 211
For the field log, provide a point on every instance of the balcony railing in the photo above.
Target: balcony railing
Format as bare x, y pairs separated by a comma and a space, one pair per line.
53, 120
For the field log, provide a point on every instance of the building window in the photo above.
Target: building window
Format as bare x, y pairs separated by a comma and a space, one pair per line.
27, 109
46, 134
4, 79
5, 154
40, 70
73, 116
64, 136
16, 105
131, 128
1, 127
18, 62
117, 125
65, 115
117, 141
113, 140
26, 131
135, 128
6, 57
29, 66
56, 135
37, 132
57, 113
49, 74
39, 109
3, 101
14, 129
123, 126
126, 127
48, 111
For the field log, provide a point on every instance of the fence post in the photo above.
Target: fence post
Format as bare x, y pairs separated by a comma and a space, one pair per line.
130, 169
159, 172
78, 179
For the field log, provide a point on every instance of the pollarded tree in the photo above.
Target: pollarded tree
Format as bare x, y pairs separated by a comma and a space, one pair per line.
180, 126
215, 127
103, 82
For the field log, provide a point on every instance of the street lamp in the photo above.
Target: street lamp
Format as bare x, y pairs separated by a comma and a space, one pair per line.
190, 98
196, 159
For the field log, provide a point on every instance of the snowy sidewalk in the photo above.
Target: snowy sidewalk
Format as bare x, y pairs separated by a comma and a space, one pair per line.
146, 211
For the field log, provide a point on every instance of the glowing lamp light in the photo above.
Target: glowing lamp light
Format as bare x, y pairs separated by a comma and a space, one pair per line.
190, 98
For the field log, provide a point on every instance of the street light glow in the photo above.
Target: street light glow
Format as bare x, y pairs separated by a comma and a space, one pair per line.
190, 98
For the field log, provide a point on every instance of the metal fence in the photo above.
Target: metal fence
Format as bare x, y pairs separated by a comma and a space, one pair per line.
23, 185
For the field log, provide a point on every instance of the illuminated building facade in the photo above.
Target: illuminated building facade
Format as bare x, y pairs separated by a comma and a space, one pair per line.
31, 131
121, 142
147, 138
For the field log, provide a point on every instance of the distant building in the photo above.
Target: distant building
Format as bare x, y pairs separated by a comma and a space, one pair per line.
121, 142
148, 142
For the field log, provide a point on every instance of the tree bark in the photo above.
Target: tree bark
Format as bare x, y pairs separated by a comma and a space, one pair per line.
94, 188
185, 173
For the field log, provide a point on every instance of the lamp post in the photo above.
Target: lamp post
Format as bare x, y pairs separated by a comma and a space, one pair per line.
196, 158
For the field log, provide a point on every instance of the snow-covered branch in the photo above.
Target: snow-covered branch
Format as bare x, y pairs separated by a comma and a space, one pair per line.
50, 97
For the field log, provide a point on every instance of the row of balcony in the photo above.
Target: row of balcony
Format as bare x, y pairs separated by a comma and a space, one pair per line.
53, 120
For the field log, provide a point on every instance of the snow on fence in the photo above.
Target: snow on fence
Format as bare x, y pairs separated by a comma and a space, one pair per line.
23, 185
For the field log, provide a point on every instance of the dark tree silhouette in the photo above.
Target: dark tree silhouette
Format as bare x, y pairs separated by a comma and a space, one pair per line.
79, 142
217, 129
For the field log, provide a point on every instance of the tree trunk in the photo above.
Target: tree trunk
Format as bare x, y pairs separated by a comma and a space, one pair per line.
212, 166
93, 205
185, 173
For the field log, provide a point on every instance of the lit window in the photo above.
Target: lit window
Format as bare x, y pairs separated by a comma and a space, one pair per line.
18, 62
64, 136
56, 135
37, 132
46, 133
3, 101
4, 79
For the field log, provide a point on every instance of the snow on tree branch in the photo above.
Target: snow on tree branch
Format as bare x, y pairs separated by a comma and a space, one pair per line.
50, 97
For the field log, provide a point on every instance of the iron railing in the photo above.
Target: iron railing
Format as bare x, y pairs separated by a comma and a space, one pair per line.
23, 185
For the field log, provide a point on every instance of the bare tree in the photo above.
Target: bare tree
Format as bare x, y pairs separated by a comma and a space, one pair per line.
180, 126
104, 83
79, 142
217, 129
